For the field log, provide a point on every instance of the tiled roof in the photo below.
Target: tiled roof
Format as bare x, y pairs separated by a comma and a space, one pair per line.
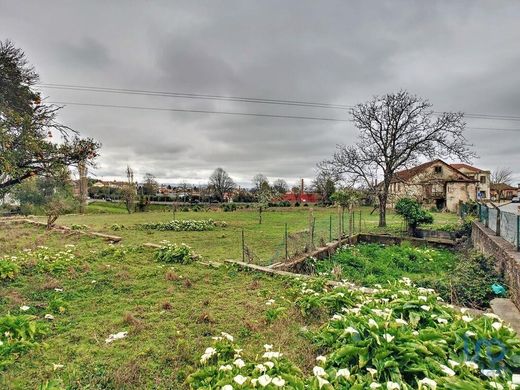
407, 174
466, 166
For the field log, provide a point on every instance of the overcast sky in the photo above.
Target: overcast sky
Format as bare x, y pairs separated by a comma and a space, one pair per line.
461, 55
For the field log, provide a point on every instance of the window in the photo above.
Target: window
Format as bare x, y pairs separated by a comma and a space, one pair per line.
483, 179
438, 169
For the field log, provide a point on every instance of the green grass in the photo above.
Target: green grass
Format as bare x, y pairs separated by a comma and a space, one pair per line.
463, 278
367, 264
265, 241
170, 313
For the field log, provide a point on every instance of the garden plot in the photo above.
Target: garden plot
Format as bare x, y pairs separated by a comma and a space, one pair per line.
463, 278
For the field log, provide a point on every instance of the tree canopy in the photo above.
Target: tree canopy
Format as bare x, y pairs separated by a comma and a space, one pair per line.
221, 183
396, 131
28, 125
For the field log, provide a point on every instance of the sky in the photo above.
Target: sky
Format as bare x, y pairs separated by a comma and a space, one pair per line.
460, 55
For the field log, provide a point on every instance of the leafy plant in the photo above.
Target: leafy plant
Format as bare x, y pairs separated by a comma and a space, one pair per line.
413, 214
76, 226
173, 253
18, 334
178, 225
8, 268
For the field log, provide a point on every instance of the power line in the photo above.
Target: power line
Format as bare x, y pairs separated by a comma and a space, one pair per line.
202, 111
193, 96
84, 88
241, 114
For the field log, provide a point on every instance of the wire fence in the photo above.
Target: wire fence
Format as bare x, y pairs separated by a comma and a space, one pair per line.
504, 224
294, 241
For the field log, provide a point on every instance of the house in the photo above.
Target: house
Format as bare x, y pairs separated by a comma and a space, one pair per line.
436, 184
503, 191
482, 177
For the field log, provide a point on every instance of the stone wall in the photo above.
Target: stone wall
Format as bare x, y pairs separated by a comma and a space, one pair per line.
506, 255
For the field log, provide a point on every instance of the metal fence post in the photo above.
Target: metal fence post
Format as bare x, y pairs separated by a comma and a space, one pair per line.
286, 244
518, 233
243, 248
487, 217
498, 222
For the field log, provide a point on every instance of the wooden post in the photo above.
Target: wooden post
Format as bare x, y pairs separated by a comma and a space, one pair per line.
312, 232
286, 244
330, 228
243, 248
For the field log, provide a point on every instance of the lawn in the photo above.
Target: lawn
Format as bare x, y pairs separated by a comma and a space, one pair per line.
265, 241
169, 312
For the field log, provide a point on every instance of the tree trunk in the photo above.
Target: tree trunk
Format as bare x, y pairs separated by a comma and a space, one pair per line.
382, 211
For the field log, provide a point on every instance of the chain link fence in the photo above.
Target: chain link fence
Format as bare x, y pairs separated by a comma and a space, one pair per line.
505, 224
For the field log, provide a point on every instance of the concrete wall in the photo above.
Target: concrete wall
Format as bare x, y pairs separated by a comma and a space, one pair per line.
506, 255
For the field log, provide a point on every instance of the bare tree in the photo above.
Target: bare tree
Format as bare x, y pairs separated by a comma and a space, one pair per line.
260, 181
280, 186
129, 192
325, 184
221, 183
502, 175
396, 131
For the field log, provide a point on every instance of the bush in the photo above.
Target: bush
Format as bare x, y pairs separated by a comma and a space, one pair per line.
297, 204
229, 207
413, 214
8, 268
173, 253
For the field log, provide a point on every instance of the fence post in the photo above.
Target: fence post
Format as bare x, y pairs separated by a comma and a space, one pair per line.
518, 233
339, 225
243, 248
359, 221
479, 212
312, 232
286, 244
330, 228
498, 222
487, 217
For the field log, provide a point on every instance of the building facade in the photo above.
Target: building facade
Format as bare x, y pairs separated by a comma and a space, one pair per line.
483, 179
434, 184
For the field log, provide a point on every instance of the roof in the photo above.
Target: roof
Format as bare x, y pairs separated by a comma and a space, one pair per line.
468, 167
502, 187
407, 174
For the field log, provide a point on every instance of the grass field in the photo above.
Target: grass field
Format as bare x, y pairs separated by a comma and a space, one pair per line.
266, 240
170, 314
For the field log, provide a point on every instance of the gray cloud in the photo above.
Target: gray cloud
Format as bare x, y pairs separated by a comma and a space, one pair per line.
461, 55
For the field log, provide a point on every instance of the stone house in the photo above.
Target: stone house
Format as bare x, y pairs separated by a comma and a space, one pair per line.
482, 177
434, 184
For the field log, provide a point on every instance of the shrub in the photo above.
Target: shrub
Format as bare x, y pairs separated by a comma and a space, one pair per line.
173, 253
413, 214
297, 204
117, 227
229, 207
8, 268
